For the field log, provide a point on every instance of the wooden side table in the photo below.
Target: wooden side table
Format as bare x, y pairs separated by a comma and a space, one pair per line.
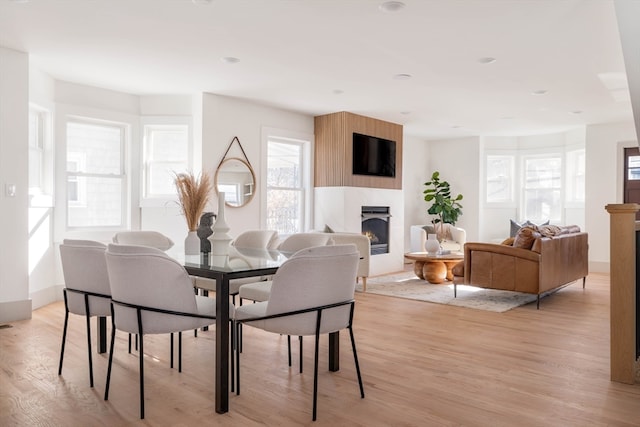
434, 268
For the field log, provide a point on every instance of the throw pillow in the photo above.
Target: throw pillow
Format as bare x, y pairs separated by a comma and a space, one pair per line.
515, 226
508, 241
525, 237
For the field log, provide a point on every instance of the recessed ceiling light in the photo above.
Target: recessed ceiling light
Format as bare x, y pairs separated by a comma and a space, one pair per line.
539, 92
338, 91
402, 76
507, 117
391, 6
202, 2
229, 60
405, 113
19, 1
456, 127
576, 112
487, 60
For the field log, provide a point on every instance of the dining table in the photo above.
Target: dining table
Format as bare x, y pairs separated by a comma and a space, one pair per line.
236, 264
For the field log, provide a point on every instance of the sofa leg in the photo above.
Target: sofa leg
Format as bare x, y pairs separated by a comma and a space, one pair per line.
455, 290
538, 303
584, 279
364, 284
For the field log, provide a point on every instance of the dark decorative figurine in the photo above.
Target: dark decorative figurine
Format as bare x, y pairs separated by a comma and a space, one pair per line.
204, 231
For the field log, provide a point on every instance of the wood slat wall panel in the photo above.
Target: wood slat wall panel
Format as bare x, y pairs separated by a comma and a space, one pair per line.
333, 150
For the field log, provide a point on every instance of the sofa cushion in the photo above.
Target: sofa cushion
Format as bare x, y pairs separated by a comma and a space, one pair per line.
525, 237
514, 226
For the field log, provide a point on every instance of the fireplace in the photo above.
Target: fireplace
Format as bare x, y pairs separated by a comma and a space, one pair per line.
375, 225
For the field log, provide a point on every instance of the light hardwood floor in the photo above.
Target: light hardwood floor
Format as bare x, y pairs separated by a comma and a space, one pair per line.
423, 365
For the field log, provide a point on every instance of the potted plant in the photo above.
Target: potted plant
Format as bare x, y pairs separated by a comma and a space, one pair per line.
446, 208
193, 195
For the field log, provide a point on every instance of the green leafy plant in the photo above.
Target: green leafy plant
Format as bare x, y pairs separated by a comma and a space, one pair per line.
447, 209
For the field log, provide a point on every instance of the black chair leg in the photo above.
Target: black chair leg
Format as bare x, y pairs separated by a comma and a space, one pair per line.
113, 340
179, 351
355, 358
88, 317
289, 348
232, 351
237, 326
300, 339
315, 377
89, 350
171, 347
141, 357
64, 338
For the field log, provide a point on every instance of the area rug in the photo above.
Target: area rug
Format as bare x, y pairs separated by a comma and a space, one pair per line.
407, 285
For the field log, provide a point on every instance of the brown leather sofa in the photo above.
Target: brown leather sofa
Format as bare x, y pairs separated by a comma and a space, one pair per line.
552, 262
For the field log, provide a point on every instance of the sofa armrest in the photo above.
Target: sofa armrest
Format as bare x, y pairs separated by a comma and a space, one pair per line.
495, 266
418, 237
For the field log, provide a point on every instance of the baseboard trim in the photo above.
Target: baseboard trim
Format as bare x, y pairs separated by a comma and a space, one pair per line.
599, 267
46, 296
12, 311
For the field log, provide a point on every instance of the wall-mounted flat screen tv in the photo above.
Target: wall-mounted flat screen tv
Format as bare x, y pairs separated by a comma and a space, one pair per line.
373, 156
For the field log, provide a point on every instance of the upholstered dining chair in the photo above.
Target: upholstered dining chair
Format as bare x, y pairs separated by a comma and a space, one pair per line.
251, 239
152, 294
86, 292
260, 291
153, 239
311, 294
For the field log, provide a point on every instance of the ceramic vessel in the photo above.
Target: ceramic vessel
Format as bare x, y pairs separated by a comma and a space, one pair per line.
192, 244
220, 238
432, 246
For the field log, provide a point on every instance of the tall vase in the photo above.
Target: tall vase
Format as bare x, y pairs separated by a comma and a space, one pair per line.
431, 245
220, 238
192, 244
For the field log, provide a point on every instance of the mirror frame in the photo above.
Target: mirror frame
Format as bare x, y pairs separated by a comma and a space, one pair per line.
249, 197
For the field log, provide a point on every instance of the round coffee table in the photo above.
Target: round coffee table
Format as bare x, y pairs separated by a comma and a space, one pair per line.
434, 268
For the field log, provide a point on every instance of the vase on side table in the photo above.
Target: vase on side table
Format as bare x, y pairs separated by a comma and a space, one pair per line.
432, 245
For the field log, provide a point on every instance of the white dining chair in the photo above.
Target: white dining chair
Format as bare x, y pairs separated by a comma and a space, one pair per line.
87, 291
152, 294
312, 294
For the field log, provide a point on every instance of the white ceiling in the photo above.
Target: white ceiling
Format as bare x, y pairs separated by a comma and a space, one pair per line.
297, 54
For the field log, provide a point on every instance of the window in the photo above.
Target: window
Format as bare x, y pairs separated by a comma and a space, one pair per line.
96, 187
288, 178
500, 179
165, 152
40, 158
542, 188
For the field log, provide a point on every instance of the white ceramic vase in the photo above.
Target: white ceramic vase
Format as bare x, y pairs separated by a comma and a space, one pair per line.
192, 244
220, 238
432, 245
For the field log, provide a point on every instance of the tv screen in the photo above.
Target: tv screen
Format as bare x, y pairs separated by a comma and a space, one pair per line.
373, 156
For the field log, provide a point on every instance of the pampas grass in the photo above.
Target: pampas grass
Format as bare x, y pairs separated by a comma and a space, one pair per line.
193, 195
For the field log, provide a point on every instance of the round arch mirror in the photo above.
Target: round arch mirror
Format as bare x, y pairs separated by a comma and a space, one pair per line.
236, 179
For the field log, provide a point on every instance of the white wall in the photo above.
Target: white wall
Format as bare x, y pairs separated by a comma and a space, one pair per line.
14, 115
224, 118
42, 253
604, 169
458, 161
415, 172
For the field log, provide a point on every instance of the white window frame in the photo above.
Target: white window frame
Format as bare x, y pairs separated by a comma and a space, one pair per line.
160, 200
511, 202
551, 154
41, 194
306, 141
125, 192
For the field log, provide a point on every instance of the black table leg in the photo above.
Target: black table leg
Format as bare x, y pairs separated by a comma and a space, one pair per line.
102, 334
334, 351
222, 346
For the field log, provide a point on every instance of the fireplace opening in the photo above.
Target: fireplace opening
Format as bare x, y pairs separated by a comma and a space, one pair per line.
375, 225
